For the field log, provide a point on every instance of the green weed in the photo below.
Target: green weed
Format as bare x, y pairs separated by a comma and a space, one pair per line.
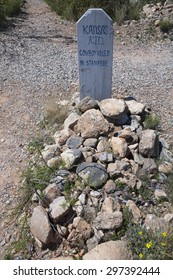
151, 121
148, 245
9, 8
165, 25
127, 218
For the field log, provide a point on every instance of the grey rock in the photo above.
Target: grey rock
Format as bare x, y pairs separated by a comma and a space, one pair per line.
164, 144
149, 167
90, 142
59, 208
93, 174
160, 194
74, 142
111, 250
89, 213
95, 194
60, 182
51, 192
134, 122
166, 155
163, 178
63, 173
106, 157
87, 103
108, 221
94, 241
149, 143
137, 157
50, 151
93, 201
40, 226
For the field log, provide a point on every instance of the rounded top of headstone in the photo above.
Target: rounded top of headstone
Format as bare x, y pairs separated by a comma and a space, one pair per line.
94, 12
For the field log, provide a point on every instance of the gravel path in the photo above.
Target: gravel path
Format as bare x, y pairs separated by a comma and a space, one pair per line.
38, 59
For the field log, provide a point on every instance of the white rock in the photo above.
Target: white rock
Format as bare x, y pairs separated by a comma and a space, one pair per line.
59, 208
112, 108
69, 157
71, 121
108, 221
135, 107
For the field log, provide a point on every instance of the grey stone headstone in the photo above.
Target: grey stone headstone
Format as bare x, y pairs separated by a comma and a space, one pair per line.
95, 49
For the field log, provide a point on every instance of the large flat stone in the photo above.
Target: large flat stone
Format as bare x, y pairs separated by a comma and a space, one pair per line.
113, 108
111, 250
108, 220
92, 124
40, 226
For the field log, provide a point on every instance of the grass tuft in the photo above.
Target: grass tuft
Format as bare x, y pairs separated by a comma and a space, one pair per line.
151, 121
165, 25
9, 8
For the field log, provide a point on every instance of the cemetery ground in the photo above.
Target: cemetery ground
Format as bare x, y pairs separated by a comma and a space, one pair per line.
38, 67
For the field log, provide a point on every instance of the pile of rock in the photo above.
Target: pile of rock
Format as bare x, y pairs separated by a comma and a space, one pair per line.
102, 155
158, 12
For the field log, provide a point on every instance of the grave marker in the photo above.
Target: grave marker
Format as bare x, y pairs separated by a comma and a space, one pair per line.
95, 50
